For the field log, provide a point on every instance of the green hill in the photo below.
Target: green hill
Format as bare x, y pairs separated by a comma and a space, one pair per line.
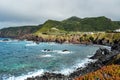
72, 24
18, 31
48, 25
77, 24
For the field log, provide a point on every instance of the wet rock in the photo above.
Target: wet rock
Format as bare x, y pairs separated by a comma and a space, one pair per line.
100, 53
47, 50
5, 39
116, 46
50, 76
65, 50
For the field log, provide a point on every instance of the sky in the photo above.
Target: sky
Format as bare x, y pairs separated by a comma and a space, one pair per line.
35, 12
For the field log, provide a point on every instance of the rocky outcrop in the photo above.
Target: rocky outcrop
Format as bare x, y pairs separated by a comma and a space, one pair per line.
103, 60
116, 45
50, 76
101, 52
65, 50
31, 37
35, 38
114, 60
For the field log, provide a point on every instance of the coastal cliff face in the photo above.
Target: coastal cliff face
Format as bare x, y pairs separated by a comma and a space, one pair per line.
13, 32
76, 38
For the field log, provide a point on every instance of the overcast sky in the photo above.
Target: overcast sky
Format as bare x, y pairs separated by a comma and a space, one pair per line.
28, 12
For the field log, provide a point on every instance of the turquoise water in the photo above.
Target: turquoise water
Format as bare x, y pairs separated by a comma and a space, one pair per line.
19, 58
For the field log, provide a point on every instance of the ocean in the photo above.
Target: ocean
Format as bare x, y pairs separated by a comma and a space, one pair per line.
22, 59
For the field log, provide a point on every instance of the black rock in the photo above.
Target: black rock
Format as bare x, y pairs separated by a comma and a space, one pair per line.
64, 50
5, 39
100, 53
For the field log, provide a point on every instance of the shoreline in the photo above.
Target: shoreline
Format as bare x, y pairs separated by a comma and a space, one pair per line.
90, 67
39, 73
80, 71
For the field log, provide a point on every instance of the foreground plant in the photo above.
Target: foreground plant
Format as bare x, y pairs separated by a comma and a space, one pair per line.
111, 72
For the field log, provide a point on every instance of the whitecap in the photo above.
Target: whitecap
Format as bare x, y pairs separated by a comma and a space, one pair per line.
64, 52
9, 41
65, 71
2, 41
6, 41
81, 64
52, 43
30, 74
47, 55
31, 44
57, 51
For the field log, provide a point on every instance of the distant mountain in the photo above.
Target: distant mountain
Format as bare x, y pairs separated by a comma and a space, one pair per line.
18, 31
77, 24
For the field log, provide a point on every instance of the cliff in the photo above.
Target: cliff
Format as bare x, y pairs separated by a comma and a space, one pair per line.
18, 31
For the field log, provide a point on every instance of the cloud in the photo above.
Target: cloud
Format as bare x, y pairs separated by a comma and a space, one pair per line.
38, 11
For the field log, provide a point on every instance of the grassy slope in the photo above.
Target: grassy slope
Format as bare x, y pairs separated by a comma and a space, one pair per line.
82, 25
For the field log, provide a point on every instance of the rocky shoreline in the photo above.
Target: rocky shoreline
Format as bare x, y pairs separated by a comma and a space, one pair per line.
74, 39
102, 56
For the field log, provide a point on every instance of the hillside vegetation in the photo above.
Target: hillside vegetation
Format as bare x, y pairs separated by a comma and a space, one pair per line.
81, 25
70, 25
111, 72
18, 31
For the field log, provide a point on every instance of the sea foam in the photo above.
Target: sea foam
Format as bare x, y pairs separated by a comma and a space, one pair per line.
23, 77
31, 44
57, 51
65, 71
82, 64
47, 55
